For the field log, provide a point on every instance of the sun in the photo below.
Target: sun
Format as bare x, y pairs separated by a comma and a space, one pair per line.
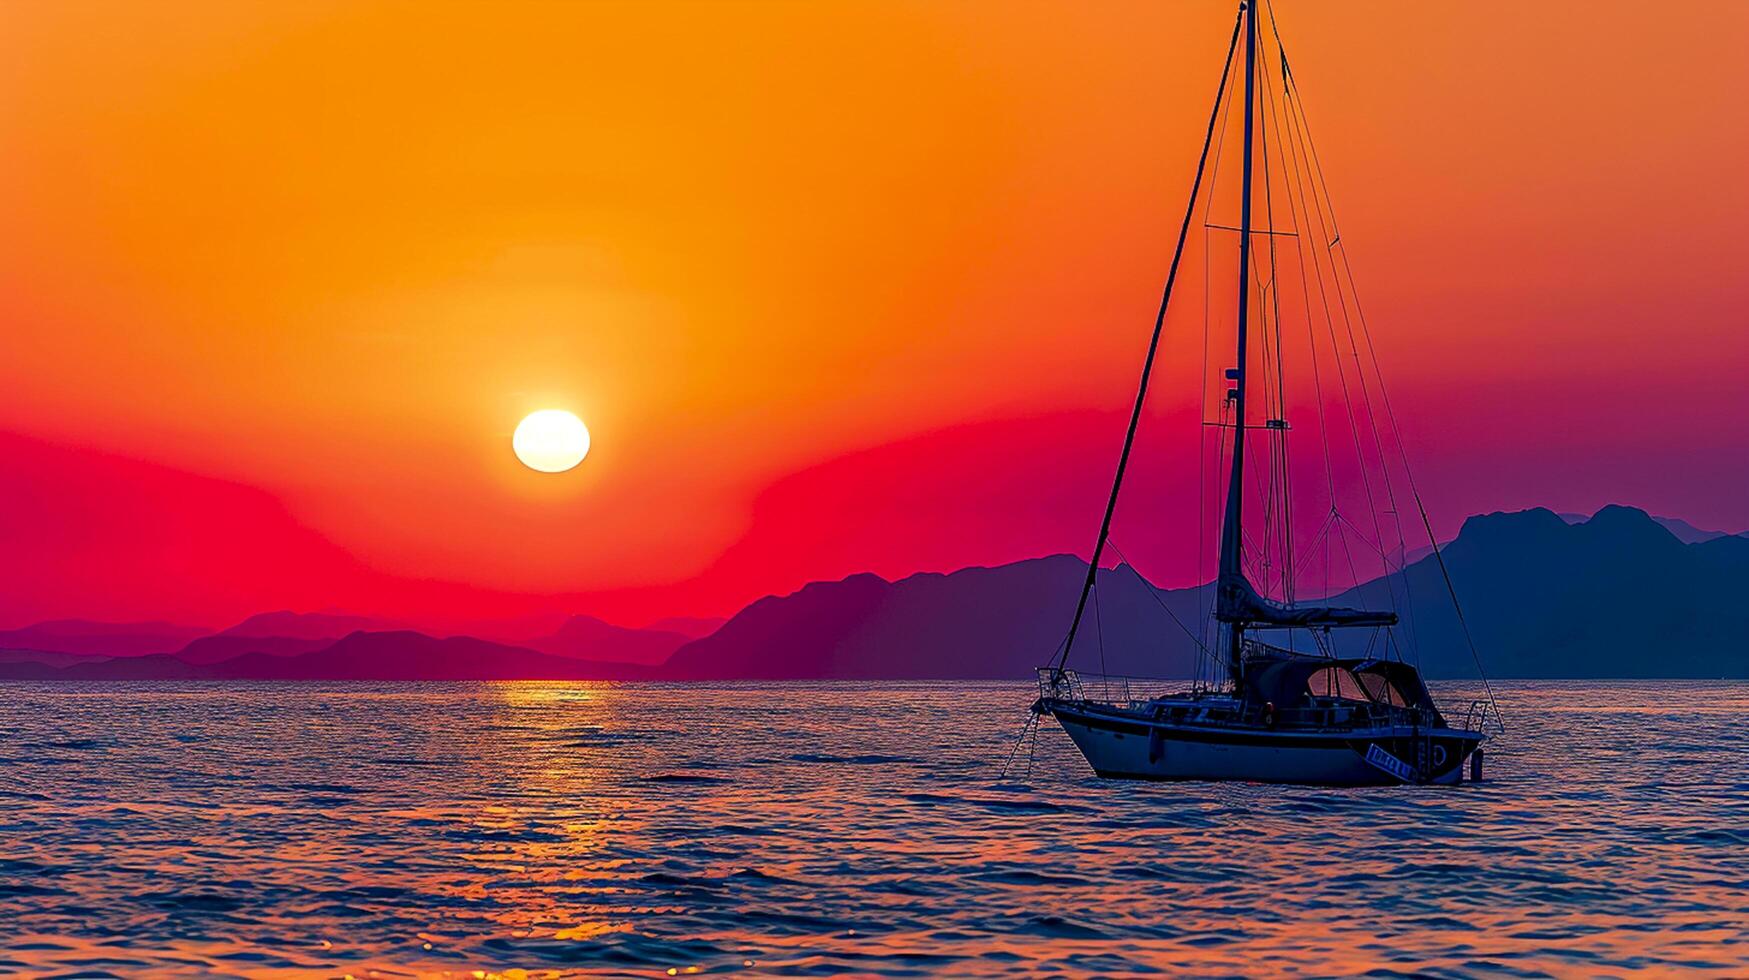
551, 441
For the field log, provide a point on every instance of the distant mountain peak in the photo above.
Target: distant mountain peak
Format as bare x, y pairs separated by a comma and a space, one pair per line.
1622, 513
92, 638
592, 638
1684, 531
1534, 524
1689, 534
1624, 520
305, 625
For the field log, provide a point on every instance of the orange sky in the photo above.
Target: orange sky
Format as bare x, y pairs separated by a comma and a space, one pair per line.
836, 286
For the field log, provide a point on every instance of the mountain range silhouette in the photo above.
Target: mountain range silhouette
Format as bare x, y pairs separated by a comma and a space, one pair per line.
1544, 595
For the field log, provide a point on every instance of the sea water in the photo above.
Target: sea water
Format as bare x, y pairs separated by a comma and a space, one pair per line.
263, 829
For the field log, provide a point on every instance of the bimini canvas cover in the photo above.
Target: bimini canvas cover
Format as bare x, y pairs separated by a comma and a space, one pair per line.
1238, 602
1285, 681
1406, 679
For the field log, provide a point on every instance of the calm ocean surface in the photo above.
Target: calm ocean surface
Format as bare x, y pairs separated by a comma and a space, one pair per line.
815, 830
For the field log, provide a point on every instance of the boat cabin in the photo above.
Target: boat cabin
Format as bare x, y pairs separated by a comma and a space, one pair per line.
1332, 691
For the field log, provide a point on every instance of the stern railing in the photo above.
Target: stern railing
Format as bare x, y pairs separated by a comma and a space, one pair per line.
1069, 685
1476, 717
1060, 684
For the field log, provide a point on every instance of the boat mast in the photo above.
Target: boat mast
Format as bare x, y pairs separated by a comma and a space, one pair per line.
1129, 438
1230, 533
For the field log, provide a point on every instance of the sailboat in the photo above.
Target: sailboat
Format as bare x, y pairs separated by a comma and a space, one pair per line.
1297, 692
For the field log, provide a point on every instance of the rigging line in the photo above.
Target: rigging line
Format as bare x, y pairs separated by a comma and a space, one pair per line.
1032, 718
1206, 613
1230, 575
1353, 292
1408, 591
1257, 483
1292, 89
1268, 485
1202, 436
1325, 224
1254, 561
1462, 622
1409, 476
1149, 588
1374, 548
1208, 209
1354, 579
1268, 329
1301, 219
1263, 480
1224, 100
1354, 571
1415, 492
1397, 436
1031, 750
1300, 212
1031, 721
1360, 373
1153, 346
1262, 483
1372, 426
1372, 351
1099, 633
1254, 231
1311, 552
1226, 104
1317, 537
1280, 411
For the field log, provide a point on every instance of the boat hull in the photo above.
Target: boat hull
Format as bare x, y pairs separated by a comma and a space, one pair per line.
1130, 747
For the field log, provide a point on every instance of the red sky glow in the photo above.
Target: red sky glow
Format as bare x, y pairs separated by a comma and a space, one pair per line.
836, 287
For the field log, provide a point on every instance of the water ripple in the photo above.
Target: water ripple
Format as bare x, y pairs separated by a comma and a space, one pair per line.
821, 829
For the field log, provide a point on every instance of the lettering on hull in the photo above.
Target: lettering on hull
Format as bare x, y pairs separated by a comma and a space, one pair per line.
1378, 758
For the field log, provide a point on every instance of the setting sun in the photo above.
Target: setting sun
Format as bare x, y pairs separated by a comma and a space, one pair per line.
551, 441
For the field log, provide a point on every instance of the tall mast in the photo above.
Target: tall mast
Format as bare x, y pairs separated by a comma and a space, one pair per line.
1129, 438
1230, 532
